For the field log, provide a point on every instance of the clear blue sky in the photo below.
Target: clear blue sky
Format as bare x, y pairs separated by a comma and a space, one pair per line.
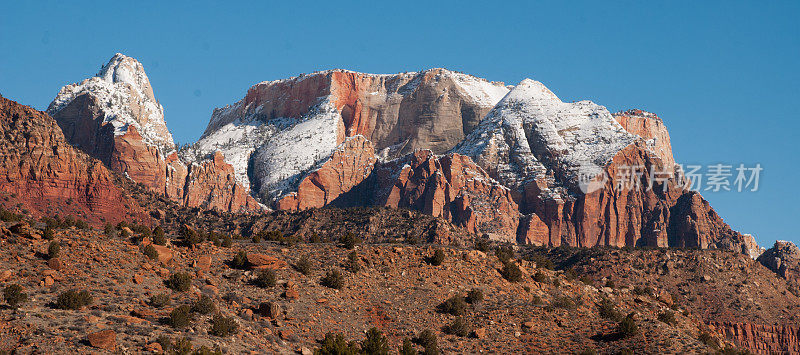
723, 75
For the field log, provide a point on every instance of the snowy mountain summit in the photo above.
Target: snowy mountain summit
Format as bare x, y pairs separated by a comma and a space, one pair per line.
123, 97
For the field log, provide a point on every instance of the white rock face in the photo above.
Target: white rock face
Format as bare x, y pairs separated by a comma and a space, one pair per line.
532, 128
285, 128
125, 97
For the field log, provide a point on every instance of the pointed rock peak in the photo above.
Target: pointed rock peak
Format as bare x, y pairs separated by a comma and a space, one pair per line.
124, 98
123, 69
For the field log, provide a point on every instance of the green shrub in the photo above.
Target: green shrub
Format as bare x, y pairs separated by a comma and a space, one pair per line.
222, 326
158, 236
226, 241
474, 296
182, 346
256, 238
266, 278
427, 339
81, 224
160, 300
190, 237
483, 244
504, 253
335, 344
563, 302
627, 326
352, 263
458, 327
53, 250
179, 281
586, 280
375, 343
349, 240
181, 316
109, 230
314, 238
668, 317
74, 299
204, 305
454, 305
48, 233
14, 295
511, 272
407, 348
333, 279
607, 310
540, 277
437, 258
611, 284
570, 274
150, 252
240, 260
303, 265
643, 291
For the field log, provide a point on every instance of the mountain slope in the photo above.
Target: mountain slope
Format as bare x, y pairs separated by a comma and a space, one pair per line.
46, 175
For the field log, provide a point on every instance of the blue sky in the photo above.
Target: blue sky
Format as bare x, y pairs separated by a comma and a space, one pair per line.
723, 75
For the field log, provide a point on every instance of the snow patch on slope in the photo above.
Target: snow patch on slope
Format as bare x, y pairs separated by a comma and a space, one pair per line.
531, 124
291, 153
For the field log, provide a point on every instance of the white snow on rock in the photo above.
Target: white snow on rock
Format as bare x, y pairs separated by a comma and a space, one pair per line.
532, 126
277, 152
126, 99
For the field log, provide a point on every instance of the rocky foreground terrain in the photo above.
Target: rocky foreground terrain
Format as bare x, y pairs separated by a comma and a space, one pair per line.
398, 287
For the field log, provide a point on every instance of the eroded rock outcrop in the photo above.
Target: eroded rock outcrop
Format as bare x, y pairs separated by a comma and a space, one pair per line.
451, 187
784, 259
49, 176
115, 117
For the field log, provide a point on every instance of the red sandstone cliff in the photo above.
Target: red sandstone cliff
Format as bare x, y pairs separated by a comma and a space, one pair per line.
49, 176
115, 118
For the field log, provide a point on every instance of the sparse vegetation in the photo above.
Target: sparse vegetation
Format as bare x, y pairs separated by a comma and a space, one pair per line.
352, 263
504, 253
336, 344
454, 305
437, 258
240, 260
458, 327
427, 339
53, 250
303, 265
511, 272
150, 251
266, 278
668, 317
375, 343
222, 326
204, 305
349, 240
607, 310
14, 295
179, 281
74, 299
180, 317
160, 300
474, 296
333, 279
627, 326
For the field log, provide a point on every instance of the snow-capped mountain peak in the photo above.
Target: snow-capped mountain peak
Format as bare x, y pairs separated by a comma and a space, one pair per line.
125, 98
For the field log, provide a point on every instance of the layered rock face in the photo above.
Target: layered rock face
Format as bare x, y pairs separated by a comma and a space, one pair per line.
51, 177
284, 129
650, 127
762, 339
115, 117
